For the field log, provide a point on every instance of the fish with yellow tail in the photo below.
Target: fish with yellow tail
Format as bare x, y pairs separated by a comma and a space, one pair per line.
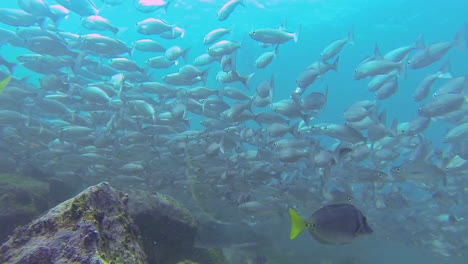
332, 224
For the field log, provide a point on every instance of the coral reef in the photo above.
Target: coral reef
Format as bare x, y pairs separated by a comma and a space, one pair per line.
93, 227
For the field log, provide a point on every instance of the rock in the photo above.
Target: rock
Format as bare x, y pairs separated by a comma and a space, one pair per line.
168, 229
93, 227
21, 200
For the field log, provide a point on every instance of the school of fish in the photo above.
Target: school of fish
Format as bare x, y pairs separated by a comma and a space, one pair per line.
97, 114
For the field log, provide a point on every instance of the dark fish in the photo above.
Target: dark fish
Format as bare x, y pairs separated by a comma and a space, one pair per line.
332, 224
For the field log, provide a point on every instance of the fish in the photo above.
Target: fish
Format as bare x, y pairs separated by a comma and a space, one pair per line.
442, 105
148, 45
215, 34
225, 11
80, 7
332, 49
99, 23
332, 224
153, 26
418, 170
102, 45
401, 53
377, 67
266, 58
273, 36
124, 64
175, 52
424, 88
38, 8
161, 62
223, 47
436, 51
17, 18
147, 6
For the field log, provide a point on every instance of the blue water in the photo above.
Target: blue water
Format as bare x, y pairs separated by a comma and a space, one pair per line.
391, 24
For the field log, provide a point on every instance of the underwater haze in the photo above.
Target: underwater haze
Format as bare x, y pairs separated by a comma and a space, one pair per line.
245, 109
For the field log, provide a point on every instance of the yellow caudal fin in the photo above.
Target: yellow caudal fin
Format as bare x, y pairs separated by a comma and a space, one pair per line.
298, 225
4, 83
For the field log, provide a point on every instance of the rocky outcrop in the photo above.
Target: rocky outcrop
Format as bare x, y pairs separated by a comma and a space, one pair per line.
168, 229
102, 226
94, 227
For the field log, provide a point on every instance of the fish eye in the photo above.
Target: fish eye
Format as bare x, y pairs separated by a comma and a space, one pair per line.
397, 169
379, 174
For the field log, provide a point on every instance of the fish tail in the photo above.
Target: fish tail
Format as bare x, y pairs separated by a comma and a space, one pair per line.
246, 81
298, 224
115, 30
296, 35
4, 83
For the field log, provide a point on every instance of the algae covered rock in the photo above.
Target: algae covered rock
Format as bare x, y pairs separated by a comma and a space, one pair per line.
21, 200
166, 226
93, 227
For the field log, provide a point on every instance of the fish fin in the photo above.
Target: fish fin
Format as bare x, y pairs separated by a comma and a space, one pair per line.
377, 53
221, 145
296, 98
335, 64
382, 117
419, 44
184, 54
295, 130
277, 50
115, 30
246, 81
204, 75
351, 37
233, 60
166, 6
444, 71
4, 83
220, 93
298, 224
403, 69
460, 41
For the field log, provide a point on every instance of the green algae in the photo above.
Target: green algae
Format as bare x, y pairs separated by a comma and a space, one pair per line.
83, 208
26, 183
